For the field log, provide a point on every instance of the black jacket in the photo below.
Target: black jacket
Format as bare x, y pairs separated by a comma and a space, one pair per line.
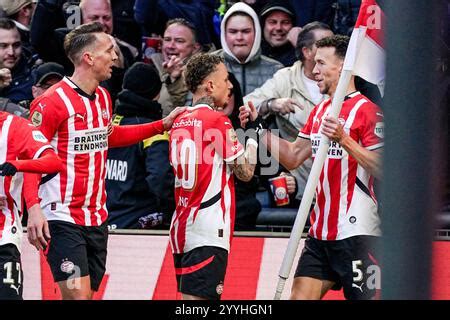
284, 54
139, 178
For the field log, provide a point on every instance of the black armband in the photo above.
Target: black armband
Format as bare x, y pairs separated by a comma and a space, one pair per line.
258, 125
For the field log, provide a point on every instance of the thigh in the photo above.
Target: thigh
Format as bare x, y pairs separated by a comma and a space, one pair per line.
314, 263
201, 272
97, 243
306, 288
354, 260
11, 275
66, 252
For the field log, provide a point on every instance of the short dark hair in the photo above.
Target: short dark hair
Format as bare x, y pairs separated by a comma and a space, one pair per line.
7, 24
199, 67
79, 38
185, 23
339, 42
306, 37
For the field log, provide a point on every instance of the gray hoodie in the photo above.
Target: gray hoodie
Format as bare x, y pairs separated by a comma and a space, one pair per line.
257, 68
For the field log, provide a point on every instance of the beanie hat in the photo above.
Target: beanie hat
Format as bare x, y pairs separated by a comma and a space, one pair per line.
13, 6
142, 79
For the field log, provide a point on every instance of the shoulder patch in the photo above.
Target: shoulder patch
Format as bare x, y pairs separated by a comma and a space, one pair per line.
39, 136
36, 118
232, 135
379, 130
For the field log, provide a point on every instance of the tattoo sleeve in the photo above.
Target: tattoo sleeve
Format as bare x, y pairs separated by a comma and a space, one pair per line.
244, 166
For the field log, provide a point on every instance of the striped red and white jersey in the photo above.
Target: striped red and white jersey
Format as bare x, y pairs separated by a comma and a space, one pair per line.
19, 140
202, 142
77, 127
345, 201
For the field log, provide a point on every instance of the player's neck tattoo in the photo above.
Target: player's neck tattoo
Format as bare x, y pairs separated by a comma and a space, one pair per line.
206, 100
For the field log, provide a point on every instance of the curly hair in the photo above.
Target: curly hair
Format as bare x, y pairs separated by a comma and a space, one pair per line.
199, 67
339, 42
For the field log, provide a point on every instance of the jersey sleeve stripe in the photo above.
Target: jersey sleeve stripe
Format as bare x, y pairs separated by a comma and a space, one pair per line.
304, 136
41, 149
375, 146
235, 156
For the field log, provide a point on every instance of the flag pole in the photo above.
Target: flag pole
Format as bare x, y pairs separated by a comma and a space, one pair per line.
367, 9
310, 188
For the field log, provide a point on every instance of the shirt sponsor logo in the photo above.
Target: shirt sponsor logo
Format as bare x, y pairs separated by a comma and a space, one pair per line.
379, 130
36, 118
39, 137
187, 123
335, 150
91, 140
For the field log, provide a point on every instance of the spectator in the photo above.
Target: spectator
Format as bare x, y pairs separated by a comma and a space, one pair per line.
139, 178
178, 45
152, 15
5, 104
21, 12
13, 58
241, 43
292, 93
277, 19
48, 39
45, 76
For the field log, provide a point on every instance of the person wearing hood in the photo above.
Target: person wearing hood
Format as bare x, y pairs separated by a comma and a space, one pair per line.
240, 37
139, 179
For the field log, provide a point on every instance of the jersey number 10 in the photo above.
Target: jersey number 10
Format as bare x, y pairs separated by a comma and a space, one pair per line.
184, 160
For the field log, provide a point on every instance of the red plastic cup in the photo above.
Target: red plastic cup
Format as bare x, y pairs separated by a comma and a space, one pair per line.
150, 45
278, 186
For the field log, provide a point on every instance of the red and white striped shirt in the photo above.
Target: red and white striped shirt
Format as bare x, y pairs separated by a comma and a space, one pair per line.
19, 140
345, 202
77, 127
202, 141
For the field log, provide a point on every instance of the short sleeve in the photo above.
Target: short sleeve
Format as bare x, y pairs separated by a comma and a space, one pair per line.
306, 131
46, 116
226, 143
372, 127
29, 141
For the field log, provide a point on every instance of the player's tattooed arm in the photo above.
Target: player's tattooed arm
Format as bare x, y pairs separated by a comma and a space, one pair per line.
244, 166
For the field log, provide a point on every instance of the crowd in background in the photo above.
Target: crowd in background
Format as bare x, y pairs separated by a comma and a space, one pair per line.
268, 48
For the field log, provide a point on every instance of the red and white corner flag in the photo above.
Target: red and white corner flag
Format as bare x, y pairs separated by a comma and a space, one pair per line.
365, 54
